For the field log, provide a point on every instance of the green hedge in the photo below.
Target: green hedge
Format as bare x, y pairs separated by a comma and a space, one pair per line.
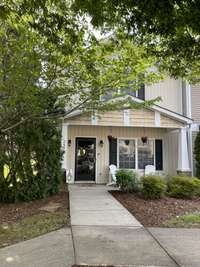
30, 162
153, 187
127, 180
183, 187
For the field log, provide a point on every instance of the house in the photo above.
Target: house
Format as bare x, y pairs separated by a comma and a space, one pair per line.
195, 114
159, 135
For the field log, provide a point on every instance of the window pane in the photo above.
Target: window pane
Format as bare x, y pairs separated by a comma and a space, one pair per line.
145, 153
127, 154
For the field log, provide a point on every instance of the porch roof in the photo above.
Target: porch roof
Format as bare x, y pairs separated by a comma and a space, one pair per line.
150, 116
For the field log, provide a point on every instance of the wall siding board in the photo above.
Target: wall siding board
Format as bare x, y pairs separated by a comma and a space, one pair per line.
137, 118
102, 153
170, 90
195, 99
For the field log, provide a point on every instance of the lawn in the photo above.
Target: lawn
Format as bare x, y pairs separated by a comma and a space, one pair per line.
167, 212
185, 221
23, 221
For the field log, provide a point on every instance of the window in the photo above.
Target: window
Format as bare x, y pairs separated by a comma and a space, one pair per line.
145, 153
127, 154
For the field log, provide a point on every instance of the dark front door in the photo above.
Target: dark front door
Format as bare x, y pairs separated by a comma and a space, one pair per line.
85, 159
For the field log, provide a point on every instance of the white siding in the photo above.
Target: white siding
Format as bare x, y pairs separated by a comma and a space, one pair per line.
170, 90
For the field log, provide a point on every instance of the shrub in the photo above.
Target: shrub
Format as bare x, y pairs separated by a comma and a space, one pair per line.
126, 180
197, 183
197, 154
30, 162
183, 186
153, 187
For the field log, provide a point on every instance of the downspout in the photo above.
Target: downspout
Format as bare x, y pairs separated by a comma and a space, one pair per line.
187, 111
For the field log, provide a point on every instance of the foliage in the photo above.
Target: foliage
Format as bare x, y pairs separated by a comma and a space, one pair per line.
153, 187
127, 180
197, 154
39, 79
31, 156
52, 66
183, 186
170, 29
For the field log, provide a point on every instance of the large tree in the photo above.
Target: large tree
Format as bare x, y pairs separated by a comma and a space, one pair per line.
169, 28
47, 72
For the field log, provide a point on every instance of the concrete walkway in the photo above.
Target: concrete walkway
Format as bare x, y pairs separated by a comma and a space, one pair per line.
105, 233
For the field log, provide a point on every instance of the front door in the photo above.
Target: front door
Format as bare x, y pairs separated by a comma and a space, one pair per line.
85, 159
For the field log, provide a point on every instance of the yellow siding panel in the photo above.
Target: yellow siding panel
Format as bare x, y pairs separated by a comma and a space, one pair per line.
170, 123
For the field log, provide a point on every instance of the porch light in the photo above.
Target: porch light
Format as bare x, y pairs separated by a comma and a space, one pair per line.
69, 142
101, 143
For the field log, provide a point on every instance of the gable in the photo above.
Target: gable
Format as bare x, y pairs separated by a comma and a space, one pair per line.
135, 118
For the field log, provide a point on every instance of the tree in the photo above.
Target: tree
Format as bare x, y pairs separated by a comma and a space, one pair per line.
30, 161
38, 79
169, 29
197, 154
44, 77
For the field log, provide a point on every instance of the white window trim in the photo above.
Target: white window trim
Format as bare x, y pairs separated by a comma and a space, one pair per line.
136, 151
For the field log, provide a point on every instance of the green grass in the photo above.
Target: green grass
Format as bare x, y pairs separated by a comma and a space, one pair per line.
33, 226
185, 221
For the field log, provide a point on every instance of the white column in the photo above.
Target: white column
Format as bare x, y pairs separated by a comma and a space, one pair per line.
64, 144
183, 155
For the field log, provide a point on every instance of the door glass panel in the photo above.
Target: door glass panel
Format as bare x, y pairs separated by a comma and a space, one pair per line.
85, 163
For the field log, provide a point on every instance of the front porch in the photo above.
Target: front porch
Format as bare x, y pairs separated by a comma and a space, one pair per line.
90, 149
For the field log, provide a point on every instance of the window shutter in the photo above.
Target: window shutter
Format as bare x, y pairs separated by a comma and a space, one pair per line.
113, 151
141, 92
159, 154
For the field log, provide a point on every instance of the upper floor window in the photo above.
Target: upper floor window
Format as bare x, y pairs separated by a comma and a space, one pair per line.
139, 93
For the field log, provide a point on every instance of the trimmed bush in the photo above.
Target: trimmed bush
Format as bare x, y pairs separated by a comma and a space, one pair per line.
153, 187
197, 154
197, 183
183, 187
30, 161
126, 180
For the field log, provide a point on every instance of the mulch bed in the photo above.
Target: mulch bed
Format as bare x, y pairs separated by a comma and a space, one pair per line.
153, 213
10, 213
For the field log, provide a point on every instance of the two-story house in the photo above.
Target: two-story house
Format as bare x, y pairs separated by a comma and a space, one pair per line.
159, 135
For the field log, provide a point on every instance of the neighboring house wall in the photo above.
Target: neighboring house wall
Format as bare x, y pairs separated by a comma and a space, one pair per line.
195, 99
195, 110
170, 90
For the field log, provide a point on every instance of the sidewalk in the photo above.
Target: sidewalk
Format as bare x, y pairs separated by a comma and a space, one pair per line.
105, 233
